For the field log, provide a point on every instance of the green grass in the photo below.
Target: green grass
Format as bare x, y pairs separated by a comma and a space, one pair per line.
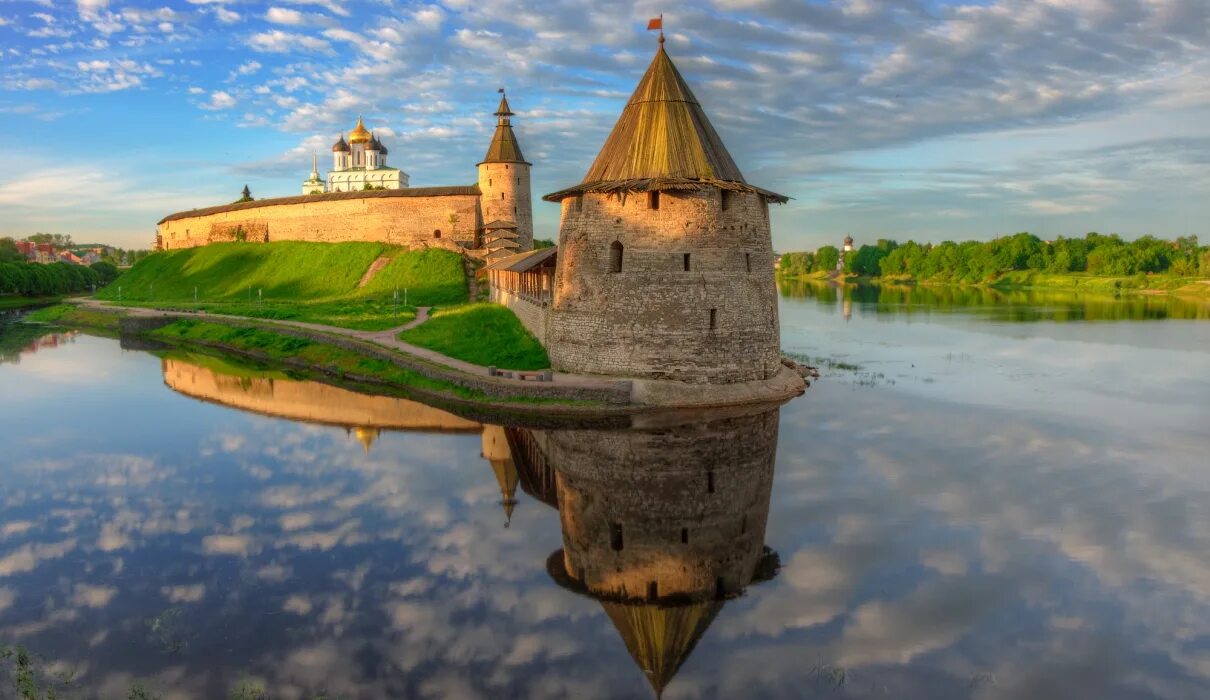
16, 302
1085, 282
274, 346
290, 280
485, 334
72, 315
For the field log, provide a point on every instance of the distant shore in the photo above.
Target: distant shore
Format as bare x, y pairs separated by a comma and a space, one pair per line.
1027, 279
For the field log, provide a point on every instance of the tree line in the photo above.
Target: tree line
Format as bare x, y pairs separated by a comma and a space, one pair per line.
31, 279
976, 261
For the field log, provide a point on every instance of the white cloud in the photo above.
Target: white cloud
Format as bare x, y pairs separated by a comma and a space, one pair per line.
281, 15
226, 16
88, 9
277, 41
248, 68
332, 6
93, 596
191, 593
196, 91
219, 100
237, 545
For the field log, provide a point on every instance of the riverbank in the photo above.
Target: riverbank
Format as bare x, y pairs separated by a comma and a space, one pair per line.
11, 303
381, 358
1031, 280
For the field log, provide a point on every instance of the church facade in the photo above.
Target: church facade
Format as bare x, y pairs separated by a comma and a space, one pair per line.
357, 164
364, 199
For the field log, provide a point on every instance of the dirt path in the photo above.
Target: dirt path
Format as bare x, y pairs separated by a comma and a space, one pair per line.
386, 338
472, 284
372, 270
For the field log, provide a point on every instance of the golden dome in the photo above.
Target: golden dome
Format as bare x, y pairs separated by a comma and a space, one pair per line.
359, 134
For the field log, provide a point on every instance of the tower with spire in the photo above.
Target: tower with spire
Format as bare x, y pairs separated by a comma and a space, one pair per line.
665, 263
314, 184
504, 182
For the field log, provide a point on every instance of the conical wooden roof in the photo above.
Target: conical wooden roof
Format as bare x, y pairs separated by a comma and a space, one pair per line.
662, 140
504, 147
661, 638
663, 133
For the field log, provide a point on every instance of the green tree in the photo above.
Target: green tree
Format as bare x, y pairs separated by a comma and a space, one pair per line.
826, 258
9, 252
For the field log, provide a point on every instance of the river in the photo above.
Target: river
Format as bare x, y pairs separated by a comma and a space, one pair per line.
984, 496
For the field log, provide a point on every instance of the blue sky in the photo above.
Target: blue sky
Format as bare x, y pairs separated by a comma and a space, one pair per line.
897, 118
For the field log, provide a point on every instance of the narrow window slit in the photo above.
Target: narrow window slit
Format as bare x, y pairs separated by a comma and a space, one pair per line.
684, 535
713, 319
615, 256
615, 536
653, 200
686, 262
709, 482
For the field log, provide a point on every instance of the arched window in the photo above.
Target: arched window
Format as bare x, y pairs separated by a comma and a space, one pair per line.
615, 256
437, 233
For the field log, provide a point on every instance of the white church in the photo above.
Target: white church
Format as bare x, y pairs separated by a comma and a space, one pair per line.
359, 163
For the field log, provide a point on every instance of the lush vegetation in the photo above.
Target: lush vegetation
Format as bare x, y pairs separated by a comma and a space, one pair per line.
540, 243
274, 346
315, 282
1025, 302
485, 334
34, 280
987, 261
72, 315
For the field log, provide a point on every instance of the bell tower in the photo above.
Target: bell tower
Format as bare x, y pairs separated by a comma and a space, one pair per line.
504, 180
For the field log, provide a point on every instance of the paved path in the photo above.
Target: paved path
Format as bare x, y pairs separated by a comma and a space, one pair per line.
386, 338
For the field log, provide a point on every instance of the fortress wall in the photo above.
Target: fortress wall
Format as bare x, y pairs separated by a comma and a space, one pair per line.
400, 220
531, 315
653, 319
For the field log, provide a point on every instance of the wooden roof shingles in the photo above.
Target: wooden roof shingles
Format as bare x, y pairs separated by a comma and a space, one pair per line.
663, 140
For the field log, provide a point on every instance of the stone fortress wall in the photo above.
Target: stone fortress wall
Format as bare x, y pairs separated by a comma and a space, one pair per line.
445, 217
684, 291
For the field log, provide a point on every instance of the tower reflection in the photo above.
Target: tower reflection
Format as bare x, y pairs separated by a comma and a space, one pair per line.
661, 526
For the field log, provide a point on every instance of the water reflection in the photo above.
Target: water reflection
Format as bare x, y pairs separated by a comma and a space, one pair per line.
660, 526
995, 304
934, 544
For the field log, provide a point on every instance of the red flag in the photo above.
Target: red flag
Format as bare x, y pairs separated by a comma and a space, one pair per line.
656, 23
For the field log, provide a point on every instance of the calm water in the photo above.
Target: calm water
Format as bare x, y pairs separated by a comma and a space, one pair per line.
965, 505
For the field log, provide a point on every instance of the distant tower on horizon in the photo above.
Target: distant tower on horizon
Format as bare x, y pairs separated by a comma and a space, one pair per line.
844, 250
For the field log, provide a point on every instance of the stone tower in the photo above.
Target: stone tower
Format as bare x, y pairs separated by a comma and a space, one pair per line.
504, 181
665, 267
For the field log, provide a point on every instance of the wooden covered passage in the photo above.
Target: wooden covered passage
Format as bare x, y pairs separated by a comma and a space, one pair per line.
529, 275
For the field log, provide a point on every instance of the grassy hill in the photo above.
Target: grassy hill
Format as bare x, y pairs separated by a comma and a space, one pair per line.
293, 280
486, 334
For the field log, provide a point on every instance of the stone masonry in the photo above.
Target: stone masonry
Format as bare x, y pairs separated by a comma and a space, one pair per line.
694, 299
408, 217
